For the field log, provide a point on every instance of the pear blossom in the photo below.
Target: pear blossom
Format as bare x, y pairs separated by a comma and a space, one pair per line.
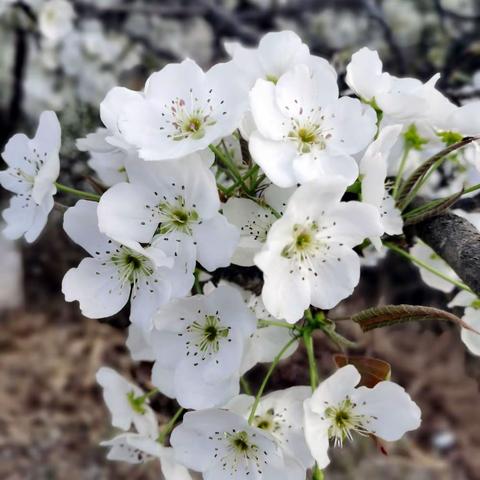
135, 448
55, 19
254, 220
471, 317
304, 131
116, 102
424, 253
275, 55
105, 159
184, 110
280, 413
33, 168
308, 257
267, 340
221, 444
373, 172
139, 344
128, 404
177, 200
403, 99
338, 409
199, 343
104, 282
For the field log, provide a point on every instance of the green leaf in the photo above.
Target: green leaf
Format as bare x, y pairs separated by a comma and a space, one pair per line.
388, 315
432, 209
372, 370
408, 189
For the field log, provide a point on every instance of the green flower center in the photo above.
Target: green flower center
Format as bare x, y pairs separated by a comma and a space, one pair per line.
344, 420
304, 242
176, 217
132, 265
209, 334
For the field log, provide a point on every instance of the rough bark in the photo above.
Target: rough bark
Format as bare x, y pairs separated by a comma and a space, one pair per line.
457, 241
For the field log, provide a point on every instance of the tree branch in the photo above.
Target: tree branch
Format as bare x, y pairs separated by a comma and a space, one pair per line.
457, 241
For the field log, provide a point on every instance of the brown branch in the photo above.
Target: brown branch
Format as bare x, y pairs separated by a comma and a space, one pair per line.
457, 241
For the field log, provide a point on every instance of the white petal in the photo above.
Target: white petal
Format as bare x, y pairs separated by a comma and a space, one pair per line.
275, 158
335, 388
80, 223
316, 435
92, 285
216, 240
392, 412
364, 74
469, 338
352, 125
334, 277
123, 216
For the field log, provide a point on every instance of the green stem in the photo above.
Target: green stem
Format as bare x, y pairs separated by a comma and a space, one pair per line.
229, 165
317, 474
196, 285
245, 385
474, 188
413, 193
312, 364
427, 267
275, 362
401, 169
78, 193
238, 183
169, 426
273, 323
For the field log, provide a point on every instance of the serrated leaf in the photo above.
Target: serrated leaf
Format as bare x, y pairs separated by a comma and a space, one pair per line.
436, 209
418, 174
388, 315
372, 370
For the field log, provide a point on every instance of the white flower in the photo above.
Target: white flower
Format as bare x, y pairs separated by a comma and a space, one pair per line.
127, 403
401, 98
308, 257
199, 344
178, 200
276, 53
373, 171
116, 102
304, 131
135, 448
267, 341
105, 159
338, 409
55, 19
424, 253
104, 282
139, 344
471, 317
33, 168
184, 110
280, 413
254, 220
221, 444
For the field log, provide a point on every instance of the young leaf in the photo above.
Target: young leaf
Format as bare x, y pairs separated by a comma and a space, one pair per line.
413, 181
433, 209
387, 315
372, 370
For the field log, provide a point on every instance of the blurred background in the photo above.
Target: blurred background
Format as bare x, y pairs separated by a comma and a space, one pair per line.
51, 413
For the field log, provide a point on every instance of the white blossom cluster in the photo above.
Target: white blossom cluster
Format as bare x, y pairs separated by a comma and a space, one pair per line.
260, 161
